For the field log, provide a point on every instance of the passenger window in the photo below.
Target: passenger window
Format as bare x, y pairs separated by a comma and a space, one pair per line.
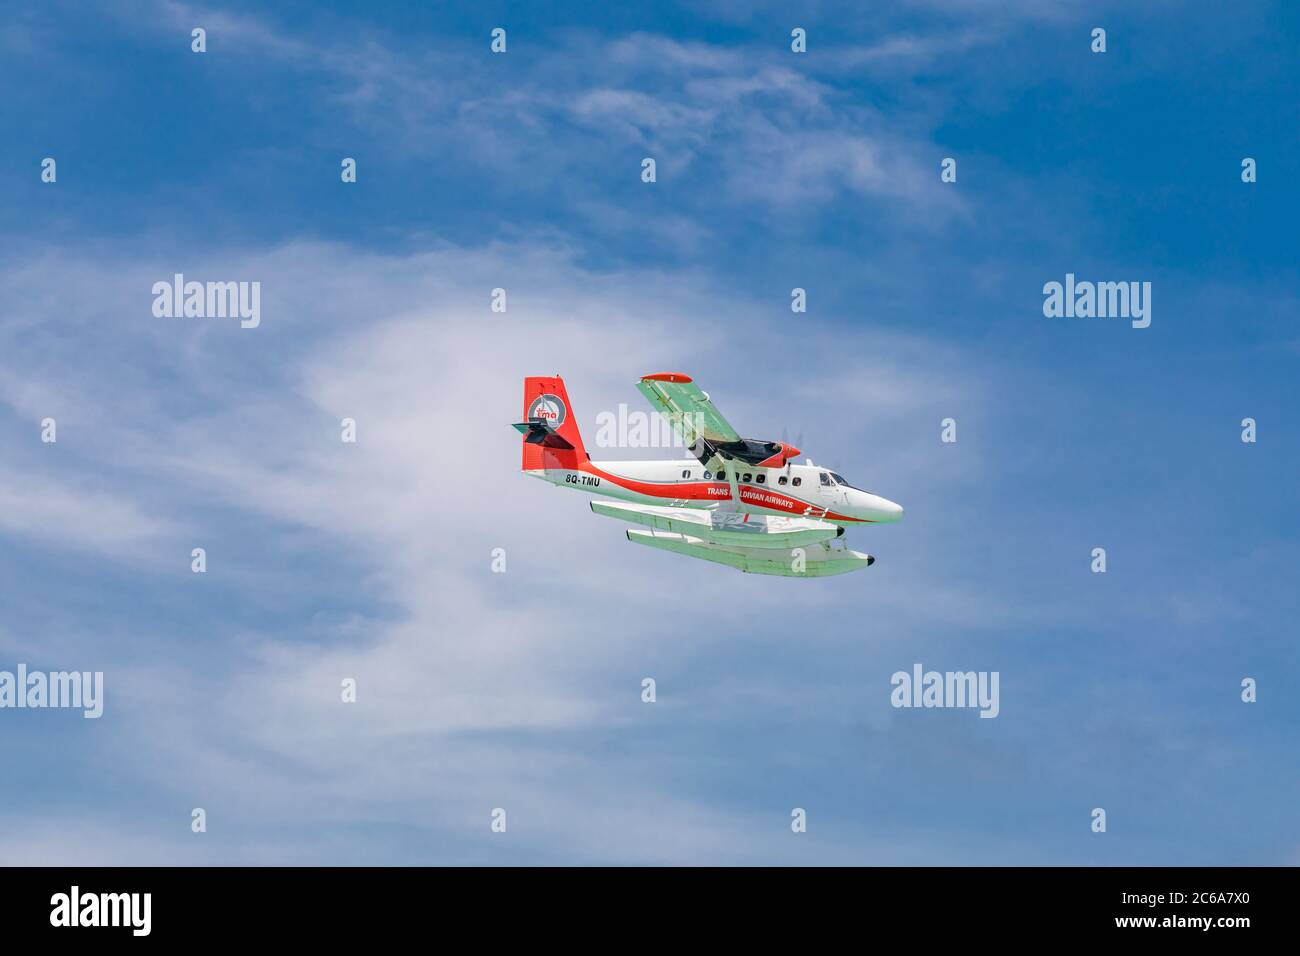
686, 473
707, 476
826, 479
746, 477
797, 482
722, 476
781, 480
762, 478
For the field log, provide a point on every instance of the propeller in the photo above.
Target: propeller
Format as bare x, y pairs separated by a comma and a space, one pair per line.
785, 440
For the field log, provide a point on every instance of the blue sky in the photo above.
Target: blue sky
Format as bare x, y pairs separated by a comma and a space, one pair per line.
522, 690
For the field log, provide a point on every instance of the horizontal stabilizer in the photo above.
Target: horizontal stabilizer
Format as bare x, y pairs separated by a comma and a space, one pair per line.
538, 431
818, 560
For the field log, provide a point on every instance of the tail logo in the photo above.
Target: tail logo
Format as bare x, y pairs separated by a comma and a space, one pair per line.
549, 408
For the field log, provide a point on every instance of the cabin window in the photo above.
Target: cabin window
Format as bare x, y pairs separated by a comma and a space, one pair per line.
746, 477
797, 482
686, 473
722, 476
707, 476
762, 478
782, 480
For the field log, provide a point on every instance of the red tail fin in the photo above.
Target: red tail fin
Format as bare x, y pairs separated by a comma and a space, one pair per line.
553, 440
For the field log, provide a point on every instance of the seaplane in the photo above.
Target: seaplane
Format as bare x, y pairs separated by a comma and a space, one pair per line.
736, 501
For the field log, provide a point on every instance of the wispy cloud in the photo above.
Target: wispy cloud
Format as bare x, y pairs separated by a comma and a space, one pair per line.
465, 665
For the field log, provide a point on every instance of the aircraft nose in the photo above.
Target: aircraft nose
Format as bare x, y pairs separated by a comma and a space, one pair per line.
886, 510
881, 509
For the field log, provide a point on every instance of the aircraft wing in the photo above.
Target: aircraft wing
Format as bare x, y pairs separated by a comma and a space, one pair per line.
693, 416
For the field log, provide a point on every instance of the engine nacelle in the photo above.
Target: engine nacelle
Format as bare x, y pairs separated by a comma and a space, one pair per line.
751, 451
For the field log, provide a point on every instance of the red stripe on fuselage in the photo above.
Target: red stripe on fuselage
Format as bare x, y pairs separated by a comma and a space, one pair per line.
720, 491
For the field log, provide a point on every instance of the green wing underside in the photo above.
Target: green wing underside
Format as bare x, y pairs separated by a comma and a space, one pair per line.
689, 409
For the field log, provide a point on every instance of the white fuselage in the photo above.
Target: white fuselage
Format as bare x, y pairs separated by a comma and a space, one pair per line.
798, 490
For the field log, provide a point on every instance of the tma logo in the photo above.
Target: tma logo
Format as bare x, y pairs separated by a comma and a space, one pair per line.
549, 408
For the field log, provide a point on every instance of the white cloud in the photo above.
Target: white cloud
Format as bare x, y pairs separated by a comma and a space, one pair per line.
465, 680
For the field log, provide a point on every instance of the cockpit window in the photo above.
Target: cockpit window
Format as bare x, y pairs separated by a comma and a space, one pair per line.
839, 479
826, 479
